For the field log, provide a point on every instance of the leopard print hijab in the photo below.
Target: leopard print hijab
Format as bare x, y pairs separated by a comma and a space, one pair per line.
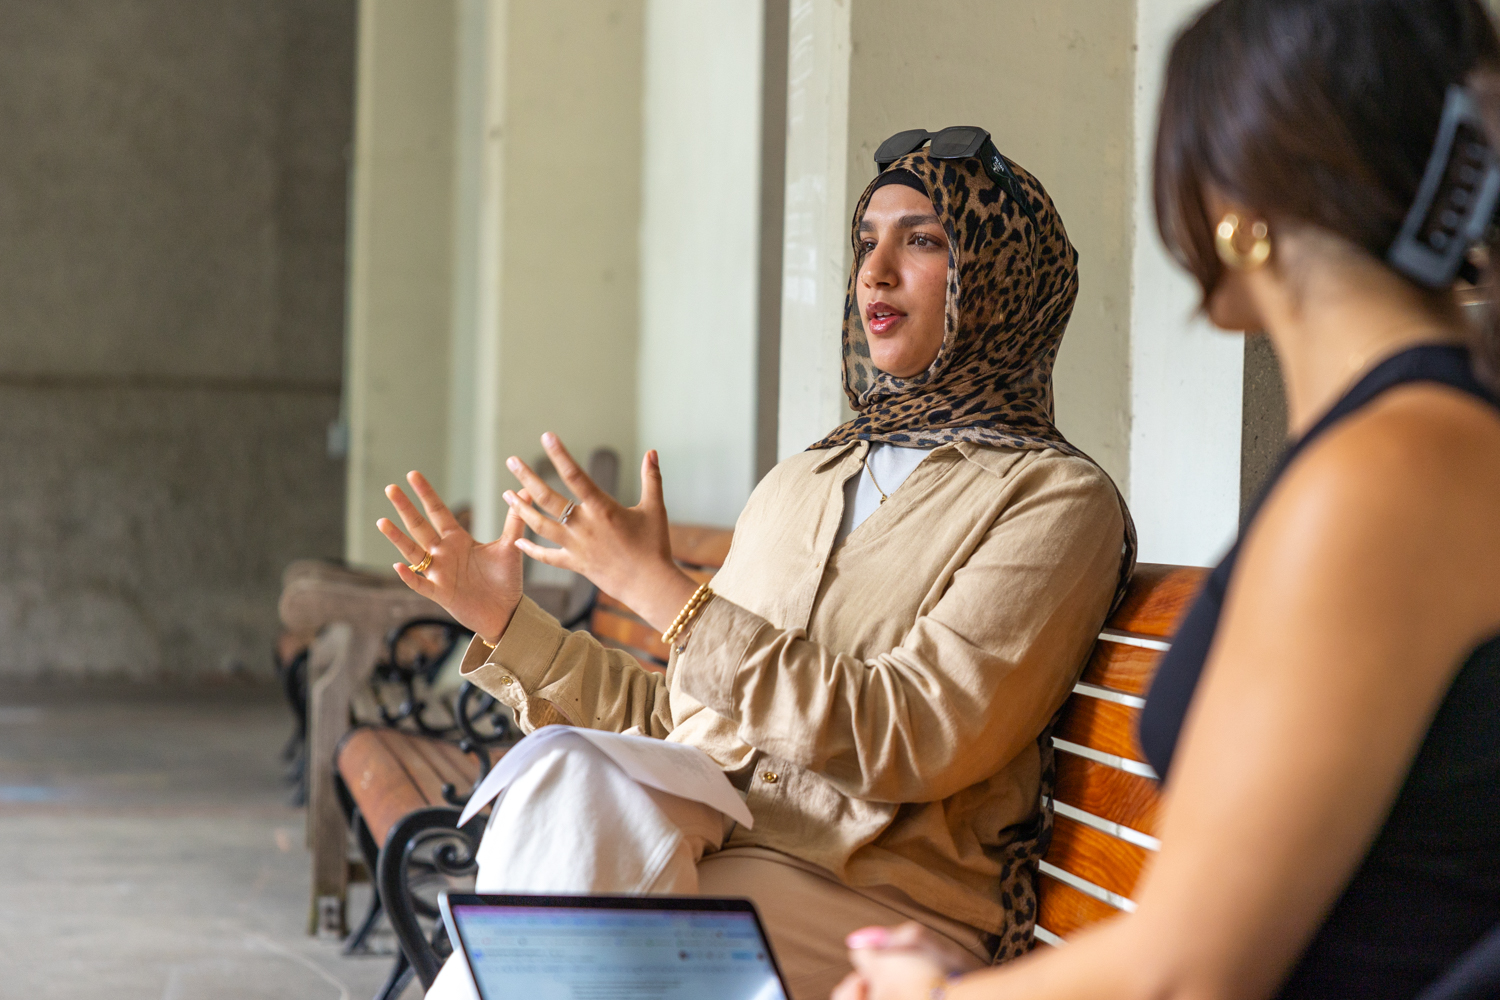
1010, 293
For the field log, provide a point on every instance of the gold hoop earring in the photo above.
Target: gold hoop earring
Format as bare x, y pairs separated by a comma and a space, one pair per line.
1233, 257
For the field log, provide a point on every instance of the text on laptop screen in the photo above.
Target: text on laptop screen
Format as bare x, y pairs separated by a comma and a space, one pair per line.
565, 953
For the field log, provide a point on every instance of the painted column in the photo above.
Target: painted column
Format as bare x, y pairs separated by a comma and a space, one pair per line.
555, 257
700, 252
1186, 377
400, 252
816, 251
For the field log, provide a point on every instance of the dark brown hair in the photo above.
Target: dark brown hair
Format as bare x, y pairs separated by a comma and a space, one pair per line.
1321, 112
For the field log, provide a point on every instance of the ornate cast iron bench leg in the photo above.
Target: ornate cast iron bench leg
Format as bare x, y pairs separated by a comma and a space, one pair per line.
426, 846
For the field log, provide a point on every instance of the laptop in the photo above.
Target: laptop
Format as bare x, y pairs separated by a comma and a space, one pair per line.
631, 947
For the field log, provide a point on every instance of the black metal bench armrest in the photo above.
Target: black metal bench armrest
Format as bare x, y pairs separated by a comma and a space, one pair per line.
425, 842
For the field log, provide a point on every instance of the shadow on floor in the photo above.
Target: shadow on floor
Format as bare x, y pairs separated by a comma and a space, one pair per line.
147, 851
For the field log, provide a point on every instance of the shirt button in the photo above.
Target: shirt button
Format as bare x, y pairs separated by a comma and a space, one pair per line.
507, 681
769, 777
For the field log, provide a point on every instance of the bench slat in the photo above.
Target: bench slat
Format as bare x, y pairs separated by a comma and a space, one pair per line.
390, 773
1107, 792
1100, 725
1121, 667
699, 545
1105, 860
1157, 598
429, 763
615, 604
1062, 909
625, 629
447, 762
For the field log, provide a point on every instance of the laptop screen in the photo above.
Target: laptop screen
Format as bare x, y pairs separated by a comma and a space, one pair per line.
592, 953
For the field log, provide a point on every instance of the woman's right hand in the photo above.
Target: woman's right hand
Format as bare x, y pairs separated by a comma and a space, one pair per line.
479, 585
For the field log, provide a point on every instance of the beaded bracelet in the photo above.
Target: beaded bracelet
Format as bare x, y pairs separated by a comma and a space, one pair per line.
700, 597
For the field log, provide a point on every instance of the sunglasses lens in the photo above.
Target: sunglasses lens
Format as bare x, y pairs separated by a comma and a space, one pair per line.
900, 144
958, 142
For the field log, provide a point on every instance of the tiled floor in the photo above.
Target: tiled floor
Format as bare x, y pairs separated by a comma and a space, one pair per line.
147, 852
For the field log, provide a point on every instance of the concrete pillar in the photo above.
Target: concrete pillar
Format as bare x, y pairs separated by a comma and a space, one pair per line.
401, 247
556, 258
815, 251
700, 252
1186, 377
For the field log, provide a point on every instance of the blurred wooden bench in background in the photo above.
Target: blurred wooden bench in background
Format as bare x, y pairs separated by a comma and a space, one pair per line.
402, 792
700, 551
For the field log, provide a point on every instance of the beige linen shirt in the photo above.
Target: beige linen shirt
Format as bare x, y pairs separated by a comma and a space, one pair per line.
880, 703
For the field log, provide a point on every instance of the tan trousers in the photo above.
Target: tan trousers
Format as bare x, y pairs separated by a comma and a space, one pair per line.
574, 822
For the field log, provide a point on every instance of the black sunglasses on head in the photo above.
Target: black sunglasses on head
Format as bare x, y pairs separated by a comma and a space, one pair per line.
958, 142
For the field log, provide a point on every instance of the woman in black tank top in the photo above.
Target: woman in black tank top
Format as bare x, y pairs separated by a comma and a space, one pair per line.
1327, 721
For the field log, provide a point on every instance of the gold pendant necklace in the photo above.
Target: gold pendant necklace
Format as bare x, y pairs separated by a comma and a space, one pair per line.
871, 472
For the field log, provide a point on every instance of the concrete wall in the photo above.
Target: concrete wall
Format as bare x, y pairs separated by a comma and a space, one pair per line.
1263, 424
172, 191
700, 251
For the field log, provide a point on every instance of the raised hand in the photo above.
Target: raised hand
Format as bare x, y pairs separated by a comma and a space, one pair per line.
479, 585
625, 551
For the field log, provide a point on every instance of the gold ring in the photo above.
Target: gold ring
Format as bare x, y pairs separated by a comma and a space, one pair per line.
421, 567
567, 513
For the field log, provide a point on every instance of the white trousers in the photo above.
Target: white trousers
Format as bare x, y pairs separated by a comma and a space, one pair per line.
573, 822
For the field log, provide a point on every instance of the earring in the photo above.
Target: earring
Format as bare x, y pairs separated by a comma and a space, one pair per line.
1232, 256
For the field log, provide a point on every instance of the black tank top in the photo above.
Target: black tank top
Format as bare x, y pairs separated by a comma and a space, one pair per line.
1430, 885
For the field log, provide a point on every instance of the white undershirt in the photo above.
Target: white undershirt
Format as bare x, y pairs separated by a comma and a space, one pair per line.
891, 464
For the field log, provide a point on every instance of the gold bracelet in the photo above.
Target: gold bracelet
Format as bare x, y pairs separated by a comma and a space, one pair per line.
700, 597
485, 642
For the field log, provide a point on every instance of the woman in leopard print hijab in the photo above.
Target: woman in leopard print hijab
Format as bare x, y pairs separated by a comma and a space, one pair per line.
1012, 282
902, 612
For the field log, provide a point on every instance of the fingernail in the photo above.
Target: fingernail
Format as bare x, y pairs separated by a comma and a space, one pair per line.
509, 497
867, 937
513, 462
655, 458
549, 439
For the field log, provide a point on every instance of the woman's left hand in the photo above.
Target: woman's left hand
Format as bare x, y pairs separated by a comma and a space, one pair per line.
891, 975
625, 551
901, 963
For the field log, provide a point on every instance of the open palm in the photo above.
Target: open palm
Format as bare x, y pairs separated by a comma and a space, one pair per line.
478, 584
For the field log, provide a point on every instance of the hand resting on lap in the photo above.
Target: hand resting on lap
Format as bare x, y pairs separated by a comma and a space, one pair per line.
905, 961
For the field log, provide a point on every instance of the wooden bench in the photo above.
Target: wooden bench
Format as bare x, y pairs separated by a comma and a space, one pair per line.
402, 792
408, 789
700, 551
347, 616
1105, 797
